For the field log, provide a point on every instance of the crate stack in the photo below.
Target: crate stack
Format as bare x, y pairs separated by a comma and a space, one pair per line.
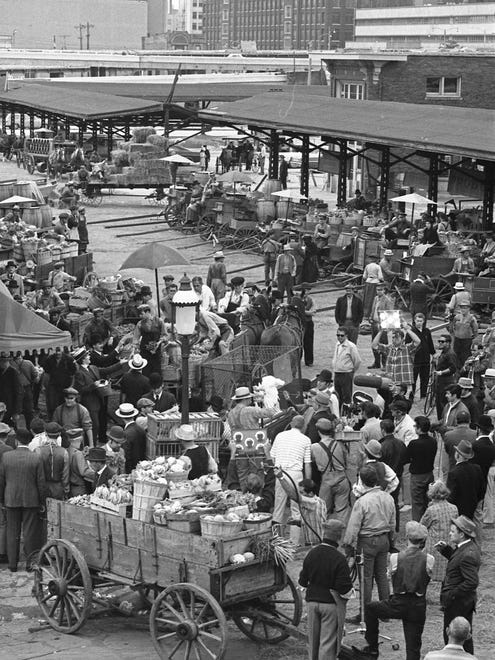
161, 440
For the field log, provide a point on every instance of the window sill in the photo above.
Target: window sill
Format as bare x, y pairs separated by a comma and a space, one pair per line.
444, 96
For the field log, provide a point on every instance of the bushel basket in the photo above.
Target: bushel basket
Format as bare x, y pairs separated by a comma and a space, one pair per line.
146, 495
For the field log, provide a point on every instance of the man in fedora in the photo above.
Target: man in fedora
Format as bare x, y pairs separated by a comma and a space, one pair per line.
55, 460
11, 390
134, 384
349, 312
216, 277
135, 436
162, 399
465, 481
114, 449
11, 275
97, 458
285, 271
324, 384
321, 407
386, 265
458, 593
327, 584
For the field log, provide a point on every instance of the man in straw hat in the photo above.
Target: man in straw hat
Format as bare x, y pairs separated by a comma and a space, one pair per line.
411, 572
245, 415
135, 436
458, 593
134, 385
327, 583
216, 277
460, 296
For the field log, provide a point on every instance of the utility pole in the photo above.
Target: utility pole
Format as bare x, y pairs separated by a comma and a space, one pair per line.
88, 27
80, 27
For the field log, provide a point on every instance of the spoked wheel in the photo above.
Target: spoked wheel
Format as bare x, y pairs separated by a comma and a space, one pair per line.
284, 606
62, 585
95, 198
440, 296
186, 622
30, 164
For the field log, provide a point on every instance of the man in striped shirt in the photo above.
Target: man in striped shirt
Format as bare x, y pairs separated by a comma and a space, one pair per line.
291, 452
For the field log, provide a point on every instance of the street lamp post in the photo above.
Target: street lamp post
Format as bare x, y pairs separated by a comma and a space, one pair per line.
185, 302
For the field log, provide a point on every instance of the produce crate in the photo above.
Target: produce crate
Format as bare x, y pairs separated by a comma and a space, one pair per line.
181, 522
162, 442
219, 529
44, 256
97, 504
78, 323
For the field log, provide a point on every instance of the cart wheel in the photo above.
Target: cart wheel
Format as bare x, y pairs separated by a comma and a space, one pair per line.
187, 622
283, 605
62, 585
30, 164
440, 296
93, 199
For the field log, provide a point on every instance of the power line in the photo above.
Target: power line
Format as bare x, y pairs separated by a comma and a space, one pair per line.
81, 27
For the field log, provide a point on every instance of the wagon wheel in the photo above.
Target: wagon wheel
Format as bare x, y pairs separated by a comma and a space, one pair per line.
62, 586
283, 605
19, 158
95, 198
205, 225
186, 622
438, 299
401, 295
29, 164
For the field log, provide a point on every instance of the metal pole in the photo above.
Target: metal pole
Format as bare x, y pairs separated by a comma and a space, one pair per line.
304, 188
488, 196
157, 292
185, 380
433, 184
273, 156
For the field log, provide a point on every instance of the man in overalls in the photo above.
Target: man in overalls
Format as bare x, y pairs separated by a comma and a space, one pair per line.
234, 304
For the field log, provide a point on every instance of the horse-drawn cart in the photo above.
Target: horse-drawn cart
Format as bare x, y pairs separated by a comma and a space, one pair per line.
189, 584
46, 154
437, 268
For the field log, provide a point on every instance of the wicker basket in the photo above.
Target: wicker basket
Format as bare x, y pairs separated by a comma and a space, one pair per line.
146, 495
217, 529
177, 476
262, 525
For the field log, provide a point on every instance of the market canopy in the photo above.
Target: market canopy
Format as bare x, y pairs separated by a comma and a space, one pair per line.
431, 128
23, 330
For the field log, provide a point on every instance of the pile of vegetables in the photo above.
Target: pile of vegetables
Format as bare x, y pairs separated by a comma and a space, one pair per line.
79, 500
113, 494
241, 558
279, 549
158, 469
227, 499
226, 517
207, 483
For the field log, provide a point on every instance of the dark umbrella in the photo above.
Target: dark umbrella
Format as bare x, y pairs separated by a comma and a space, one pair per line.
153, 256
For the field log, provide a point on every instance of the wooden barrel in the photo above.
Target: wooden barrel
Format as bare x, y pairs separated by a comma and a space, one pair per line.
265, 210
23, 188
283, 208
46, 215
6, 191
32, 216
270, 186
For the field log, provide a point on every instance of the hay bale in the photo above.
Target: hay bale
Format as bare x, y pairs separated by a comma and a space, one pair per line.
140, 133
159, 141
120, 158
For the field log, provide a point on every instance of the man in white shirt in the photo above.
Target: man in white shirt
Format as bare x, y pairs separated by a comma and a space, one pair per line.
346, 362
205, 294
405, 431
291, 452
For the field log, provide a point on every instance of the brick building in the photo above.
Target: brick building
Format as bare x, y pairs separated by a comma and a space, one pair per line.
447, 78
278, 24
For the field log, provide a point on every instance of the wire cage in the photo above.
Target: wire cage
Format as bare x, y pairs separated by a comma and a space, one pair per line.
246, 366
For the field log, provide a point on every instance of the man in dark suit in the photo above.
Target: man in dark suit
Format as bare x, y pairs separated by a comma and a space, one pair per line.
11, 390
349, 312
458, 592
134, 385
162, 399
465, 481
483, 446
97, 458
4, 447
135, 436
22, 493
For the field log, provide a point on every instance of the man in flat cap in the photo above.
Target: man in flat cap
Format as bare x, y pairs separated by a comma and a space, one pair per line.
411, 571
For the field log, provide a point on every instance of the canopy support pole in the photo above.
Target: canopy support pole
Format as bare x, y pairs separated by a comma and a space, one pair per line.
12, 121
4, 119
384, 177
273, 159
342, 187
22, 124
487, 218
94, 137
433, 184
31, 124
304, 167
110, 138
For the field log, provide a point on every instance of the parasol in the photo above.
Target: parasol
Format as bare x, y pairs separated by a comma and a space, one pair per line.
153, 256
291, 194
235, 176
178, 159
413, 198
16, 199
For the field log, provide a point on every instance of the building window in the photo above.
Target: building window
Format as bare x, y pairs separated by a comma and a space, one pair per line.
353, 91
443, 86
288, 11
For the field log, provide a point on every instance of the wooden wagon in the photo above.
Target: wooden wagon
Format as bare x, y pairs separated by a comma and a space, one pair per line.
187, 581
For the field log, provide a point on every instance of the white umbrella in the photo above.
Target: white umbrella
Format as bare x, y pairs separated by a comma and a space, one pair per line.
289, 194
177, 158
413, 198
16, 199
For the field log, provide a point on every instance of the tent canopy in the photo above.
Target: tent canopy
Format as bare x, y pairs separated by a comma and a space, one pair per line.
23, 330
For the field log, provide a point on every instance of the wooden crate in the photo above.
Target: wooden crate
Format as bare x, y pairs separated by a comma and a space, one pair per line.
160, 441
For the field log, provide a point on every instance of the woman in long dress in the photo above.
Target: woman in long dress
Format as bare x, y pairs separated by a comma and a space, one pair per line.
437, 519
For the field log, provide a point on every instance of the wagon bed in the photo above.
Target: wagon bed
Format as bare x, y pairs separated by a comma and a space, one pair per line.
193, 586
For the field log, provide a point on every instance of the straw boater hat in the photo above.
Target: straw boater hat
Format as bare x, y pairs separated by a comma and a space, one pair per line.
465, 383
186, 433
137, 362
388, 253
219, 255
242, 393
459, 286
79, 354
126, 411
